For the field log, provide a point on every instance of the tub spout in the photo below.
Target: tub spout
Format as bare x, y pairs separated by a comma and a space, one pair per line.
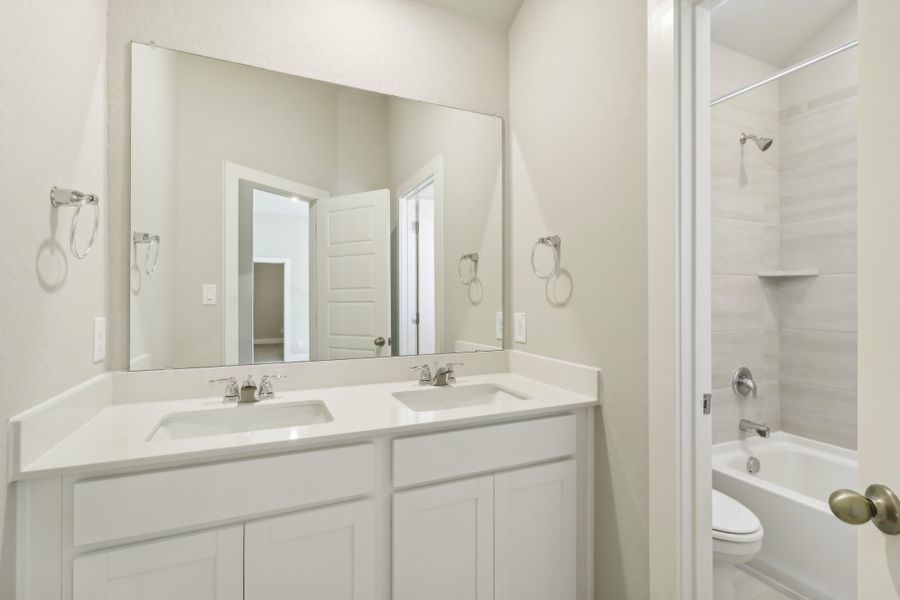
760, 429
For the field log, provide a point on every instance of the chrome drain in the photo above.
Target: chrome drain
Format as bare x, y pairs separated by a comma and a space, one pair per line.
753, 465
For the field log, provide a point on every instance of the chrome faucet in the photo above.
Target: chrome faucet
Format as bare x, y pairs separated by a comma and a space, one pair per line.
249, 391
442, 376
760, 429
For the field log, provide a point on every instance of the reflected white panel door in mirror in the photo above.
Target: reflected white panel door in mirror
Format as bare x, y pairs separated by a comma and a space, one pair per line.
444, 541
353, 273
322, 553
201, 566
535, 535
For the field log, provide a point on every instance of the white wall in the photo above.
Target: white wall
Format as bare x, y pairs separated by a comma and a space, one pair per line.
399, 47
53, 124
470, 150
577, 152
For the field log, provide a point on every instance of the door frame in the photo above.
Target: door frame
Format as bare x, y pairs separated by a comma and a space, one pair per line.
286, 321
678, 185
430, 172
233, 174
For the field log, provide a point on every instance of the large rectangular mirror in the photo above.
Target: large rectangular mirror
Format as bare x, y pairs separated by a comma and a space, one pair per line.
278, 218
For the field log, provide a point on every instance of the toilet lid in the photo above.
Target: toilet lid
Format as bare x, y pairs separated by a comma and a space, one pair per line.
730, 516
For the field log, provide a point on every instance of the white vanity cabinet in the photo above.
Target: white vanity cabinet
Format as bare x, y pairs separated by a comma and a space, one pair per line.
321, 553
444, 541
199, 566
535, 533
489, 511
510, 536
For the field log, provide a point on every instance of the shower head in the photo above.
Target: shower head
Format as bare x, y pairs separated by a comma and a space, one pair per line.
762, 143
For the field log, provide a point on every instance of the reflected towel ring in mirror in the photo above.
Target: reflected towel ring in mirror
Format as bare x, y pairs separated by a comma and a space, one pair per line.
66, 197
139, 237
471, 272
553, 242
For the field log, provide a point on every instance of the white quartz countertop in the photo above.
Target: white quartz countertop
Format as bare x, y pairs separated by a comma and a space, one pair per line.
116, 439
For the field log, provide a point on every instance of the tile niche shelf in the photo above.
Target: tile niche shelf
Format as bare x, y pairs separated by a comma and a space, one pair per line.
778, 274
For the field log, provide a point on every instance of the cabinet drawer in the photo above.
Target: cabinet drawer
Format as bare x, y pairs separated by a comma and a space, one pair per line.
437, 456
131, 506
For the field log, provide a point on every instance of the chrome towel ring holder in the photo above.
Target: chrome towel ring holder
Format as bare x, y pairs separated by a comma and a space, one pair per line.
471, 275
553, 242
139, 237
66, 197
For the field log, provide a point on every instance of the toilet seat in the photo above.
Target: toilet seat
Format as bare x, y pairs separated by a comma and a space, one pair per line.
733, 522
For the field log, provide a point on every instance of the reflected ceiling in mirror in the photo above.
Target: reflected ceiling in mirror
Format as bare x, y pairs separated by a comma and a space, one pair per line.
278, 218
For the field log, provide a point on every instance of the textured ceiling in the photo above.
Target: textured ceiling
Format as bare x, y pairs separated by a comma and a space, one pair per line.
492, 12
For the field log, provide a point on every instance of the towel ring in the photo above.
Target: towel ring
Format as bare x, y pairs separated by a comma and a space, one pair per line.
139, 237
66, 197
472, 260
553, 242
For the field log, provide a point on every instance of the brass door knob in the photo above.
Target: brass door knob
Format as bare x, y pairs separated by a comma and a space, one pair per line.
880, 505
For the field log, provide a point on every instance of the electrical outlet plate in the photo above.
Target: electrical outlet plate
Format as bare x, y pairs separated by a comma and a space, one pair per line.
99, 339
498, 326
521, 328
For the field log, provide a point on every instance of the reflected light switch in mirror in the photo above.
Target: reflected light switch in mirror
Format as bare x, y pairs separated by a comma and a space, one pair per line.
209, 294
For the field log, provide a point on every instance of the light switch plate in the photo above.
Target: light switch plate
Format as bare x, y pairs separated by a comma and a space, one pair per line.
99, 339
521, 328
498, 326
209, 294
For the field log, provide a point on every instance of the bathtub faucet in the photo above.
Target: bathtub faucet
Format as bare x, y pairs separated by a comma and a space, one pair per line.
760, 429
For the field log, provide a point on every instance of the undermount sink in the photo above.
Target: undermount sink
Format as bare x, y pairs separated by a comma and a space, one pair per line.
458, 396
240, 419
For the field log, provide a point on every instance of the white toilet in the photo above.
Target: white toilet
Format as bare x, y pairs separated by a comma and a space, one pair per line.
737, 537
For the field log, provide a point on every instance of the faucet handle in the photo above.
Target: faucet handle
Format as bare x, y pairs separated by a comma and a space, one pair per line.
232, 393
451, 374
266, 390
424, 373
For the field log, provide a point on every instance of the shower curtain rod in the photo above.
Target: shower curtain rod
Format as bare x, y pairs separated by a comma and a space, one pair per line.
787, 71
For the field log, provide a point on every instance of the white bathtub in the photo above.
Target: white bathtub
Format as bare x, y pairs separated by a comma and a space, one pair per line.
804, 547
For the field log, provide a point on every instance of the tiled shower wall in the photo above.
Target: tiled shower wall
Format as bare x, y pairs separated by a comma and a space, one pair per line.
745, 208
817, 315
790, 208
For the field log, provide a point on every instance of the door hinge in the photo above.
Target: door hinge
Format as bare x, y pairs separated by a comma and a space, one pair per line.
707, 403
414, 226
415, 319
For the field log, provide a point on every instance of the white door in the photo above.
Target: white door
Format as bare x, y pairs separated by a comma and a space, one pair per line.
200, 566
444, 542
879, 284
535, 533
326, 553
354, 275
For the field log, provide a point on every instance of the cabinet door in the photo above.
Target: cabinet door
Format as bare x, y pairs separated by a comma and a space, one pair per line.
535, 531
322, 554
444, 542
200, 566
